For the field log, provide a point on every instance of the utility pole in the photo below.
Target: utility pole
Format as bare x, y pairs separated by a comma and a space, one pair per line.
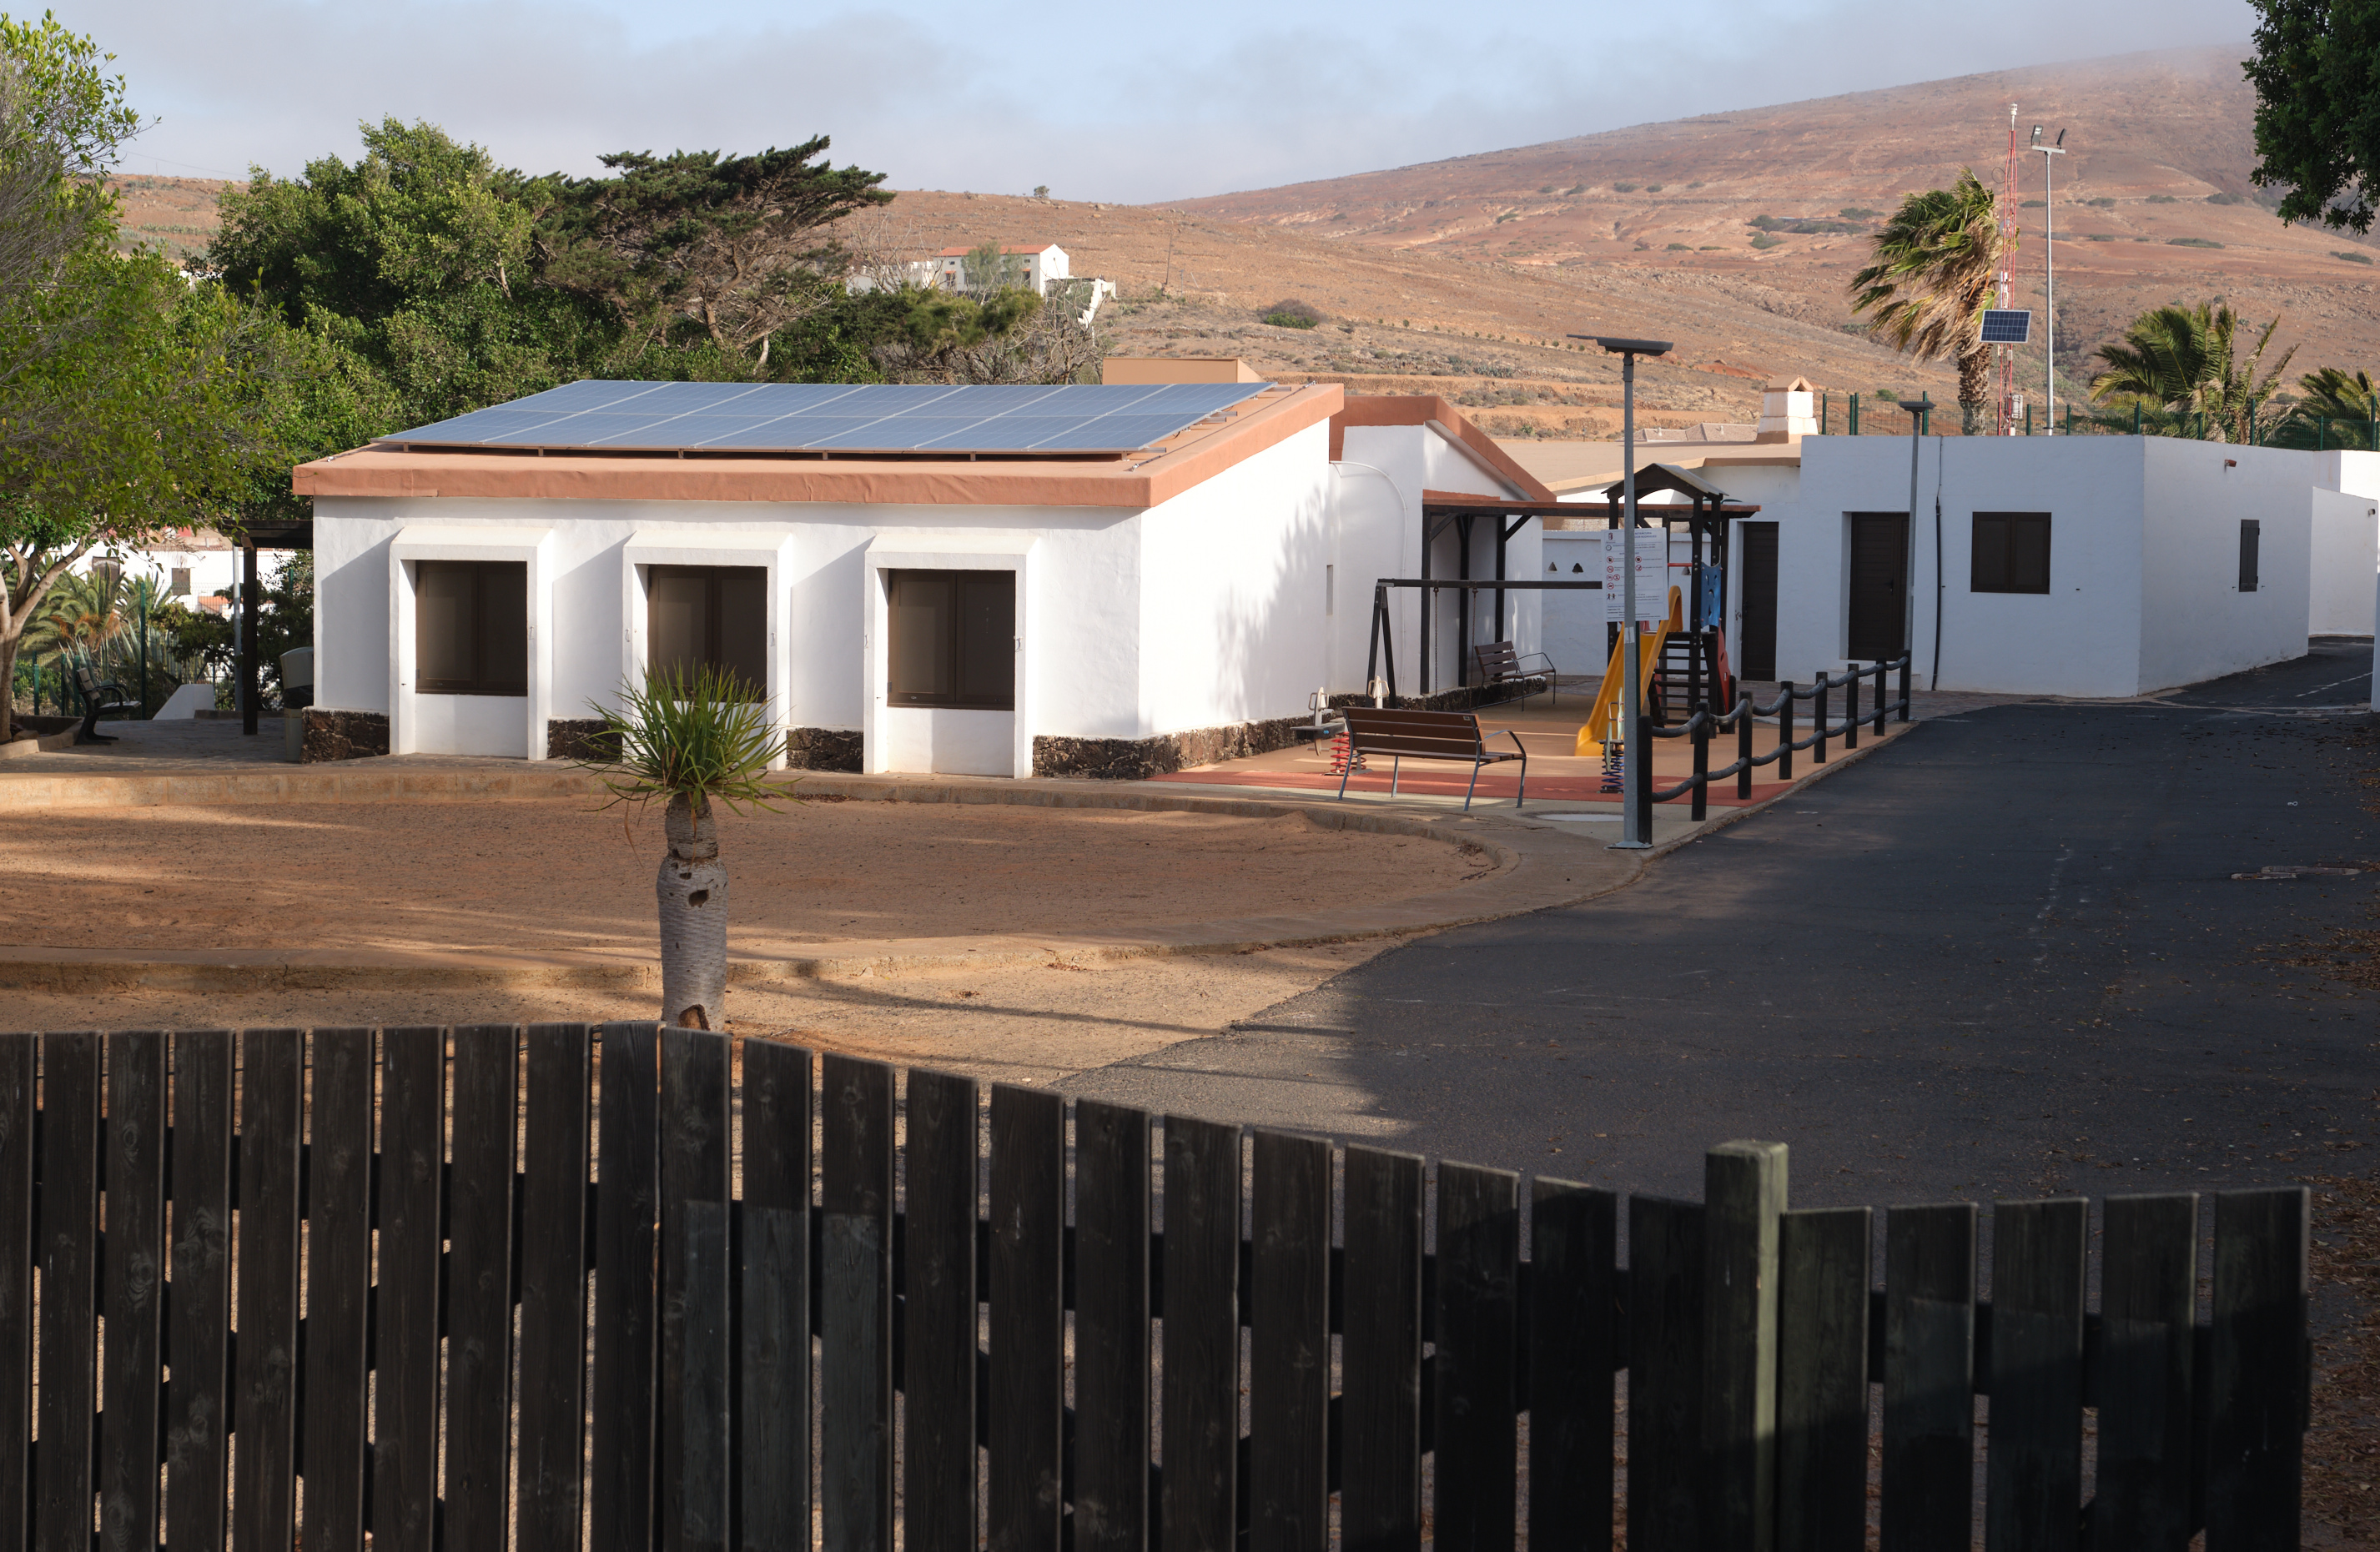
1638, 779
2049, 253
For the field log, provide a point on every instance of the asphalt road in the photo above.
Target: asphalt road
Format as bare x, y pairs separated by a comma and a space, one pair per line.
2003, 956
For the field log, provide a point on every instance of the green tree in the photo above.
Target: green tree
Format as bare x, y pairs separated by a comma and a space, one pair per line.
2316, 72
2185, 366
129, 401
1936, 268
2337, 408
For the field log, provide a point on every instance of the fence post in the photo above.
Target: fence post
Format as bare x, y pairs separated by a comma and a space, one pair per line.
1700, 717
1644, 788
1785, 730
1743, 745
1818, 749
1744, 1195
1880, 670
1904, 686
1851, 706
1854, 417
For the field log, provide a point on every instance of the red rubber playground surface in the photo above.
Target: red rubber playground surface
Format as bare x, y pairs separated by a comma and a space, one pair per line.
1556, 773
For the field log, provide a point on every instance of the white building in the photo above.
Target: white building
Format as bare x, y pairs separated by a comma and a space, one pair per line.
186, 565
978, 613
2090, 565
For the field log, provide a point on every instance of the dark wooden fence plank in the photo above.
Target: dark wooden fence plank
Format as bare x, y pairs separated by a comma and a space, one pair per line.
856, 1311
133, 1291
1201, 1296
198, 1317
1111, 1346
1029, 1207
1822, 1400
940, 1316
1289, 1326
554, 1290
2258, 1379
1380, 1456
69, 1315
627, 1216
1478, 1330
2144, 1379
696, 1455
1744, 1192
338, 1286
272, 1118
773, 1438
478, 1287
406, 1348
1664, 1374
1929, 1369
1573, 1350
2034, 1482
19, 1057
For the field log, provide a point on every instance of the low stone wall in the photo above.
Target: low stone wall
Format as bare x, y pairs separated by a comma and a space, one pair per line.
575, 738
809, 749
1136, 759
338, 735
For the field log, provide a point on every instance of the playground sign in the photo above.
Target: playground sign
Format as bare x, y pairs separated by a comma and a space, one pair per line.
1652, 576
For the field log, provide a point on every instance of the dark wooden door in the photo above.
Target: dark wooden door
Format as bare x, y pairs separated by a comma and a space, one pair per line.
1879, 601
1756, 652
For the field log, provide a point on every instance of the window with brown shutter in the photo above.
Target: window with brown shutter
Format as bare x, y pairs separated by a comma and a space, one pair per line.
470, 627
709, 617
951, 639
2012, 552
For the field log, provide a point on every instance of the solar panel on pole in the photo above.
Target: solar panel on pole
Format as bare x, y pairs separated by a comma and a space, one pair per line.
2008, 326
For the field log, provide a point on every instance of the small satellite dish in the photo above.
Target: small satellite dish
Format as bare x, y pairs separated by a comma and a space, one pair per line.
2008, 326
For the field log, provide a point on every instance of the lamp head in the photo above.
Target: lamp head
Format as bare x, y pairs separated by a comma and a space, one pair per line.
1919, 404
1619, 347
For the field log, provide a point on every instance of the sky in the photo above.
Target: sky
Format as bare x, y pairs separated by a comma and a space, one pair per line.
1130, 103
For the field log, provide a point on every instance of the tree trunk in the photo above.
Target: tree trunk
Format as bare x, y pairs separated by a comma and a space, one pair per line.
1974, 390
692, 890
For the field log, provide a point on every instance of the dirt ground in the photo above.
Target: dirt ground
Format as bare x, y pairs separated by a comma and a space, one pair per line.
528, 876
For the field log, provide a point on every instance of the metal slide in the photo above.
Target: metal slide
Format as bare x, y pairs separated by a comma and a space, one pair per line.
1590, 740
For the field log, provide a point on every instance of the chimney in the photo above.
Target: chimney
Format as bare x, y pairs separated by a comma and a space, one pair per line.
1788, 413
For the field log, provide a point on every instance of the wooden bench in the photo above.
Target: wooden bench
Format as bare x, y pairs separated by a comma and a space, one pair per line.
1445, 735
98, 696
1501, 663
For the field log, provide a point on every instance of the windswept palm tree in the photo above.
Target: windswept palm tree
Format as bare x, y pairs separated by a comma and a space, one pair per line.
2348, 402
1937, 268
2185, 361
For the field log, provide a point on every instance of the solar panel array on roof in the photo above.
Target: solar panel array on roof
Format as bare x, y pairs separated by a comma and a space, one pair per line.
2007, 326
829, 416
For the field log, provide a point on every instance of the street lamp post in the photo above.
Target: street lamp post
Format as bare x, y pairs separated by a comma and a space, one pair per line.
1921, 412
2049, 255
1634, 831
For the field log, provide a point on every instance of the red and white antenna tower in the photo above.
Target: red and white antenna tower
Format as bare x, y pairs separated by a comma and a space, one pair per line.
2009, 416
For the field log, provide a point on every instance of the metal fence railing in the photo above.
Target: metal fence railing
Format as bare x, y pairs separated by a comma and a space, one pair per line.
1705, 723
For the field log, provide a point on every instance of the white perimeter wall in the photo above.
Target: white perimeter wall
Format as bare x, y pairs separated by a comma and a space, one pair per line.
1414, 459
2346, 561
2196, 624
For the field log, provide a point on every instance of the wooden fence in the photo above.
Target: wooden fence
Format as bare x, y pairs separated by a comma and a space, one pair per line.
358, 1282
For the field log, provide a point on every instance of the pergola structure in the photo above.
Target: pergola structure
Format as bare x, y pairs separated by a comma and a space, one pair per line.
290, 533
1444, 510
1706, 512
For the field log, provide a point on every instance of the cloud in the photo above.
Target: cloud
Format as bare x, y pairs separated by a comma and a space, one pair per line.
1119, 103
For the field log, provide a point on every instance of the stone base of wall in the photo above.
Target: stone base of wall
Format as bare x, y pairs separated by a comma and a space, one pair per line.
338, 735
824, 749
576, 738
1136, 759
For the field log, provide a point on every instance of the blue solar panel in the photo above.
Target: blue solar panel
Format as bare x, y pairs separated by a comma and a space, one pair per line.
798, 416
2007, 326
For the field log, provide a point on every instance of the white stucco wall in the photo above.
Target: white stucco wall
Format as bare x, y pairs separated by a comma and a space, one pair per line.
2345, 559
2144, 558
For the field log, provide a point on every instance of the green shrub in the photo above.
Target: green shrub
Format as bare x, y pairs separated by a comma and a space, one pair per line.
1763, 240
1652, 189
1679, 248
2351, 257
1711, 247
2162, 200
1293, 314
2191, 242
2102, 202
2034, 204
1577, 189
2227, 199
1623, 188
1858, 212
2101, 237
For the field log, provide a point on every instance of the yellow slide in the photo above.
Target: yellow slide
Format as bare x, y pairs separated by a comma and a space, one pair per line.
1590, 737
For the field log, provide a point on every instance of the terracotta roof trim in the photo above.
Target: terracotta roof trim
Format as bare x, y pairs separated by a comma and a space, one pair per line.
1420, 409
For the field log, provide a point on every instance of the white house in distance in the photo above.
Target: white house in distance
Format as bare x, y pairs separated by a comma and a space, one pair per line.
2086, 565
1109, 580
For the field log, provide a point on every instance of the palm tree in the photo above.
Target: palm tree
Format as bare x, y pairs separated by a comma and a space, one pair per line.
687, 739
2332, 395
2181, 361
1937, 267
